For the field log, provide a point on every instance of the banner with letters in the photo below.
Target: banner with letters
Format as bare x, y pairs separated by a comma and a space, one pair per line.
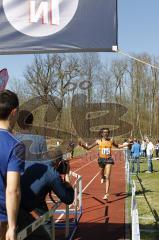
30, 26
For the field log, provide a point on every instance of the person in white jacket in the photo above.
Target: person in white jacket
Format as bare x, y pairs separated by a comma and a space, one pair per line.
149, 153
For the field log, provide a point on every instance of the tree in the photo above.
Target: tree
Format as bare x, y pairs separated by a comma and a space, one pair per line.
118, 68
48, 77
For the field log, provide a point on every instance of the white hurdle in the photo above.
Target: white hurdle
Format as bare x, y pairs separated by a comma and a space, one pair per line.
76, 210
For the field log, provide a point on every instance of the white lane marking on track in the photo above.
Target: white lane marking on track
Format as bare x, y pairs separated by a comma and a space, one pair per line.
85, 165
80, 159
90, 182
82, 192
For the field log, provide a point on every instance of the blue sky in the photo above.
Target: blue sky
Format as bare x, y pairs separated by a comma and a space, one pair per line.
138, 32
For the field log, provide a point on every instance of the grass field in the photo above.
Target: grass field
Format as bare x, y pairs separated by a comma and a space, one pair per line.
79, 151
147, 196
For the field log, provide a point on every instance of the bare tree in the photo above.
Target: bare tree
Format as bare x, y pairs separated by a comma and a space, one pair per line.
90, 67
90, 64
39, 76
67, 71
105, 83
15, 86
118, 68
154, 87
48, 77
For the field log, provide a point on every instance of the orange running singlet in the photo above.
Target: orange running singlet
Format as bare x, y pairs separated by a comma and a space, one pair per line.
104, 148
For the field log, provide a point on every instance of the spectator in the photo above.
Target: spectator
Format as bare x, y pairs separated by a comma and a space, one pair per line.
149, 152
127, 145
12, 154
39, 179
130, 143
135, 150
71, 148
143, 148
157, 149
36, 147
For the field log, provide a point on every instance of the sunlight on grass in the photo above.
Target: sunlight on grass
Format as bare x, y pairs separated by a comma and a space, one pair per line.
147, 195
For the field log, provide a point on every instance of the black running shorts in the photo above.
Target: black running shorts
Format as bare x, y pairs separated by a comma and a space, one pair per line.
103, 161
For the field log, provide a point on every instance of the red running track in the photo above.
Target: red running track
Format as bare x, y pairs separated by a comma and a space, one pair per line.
101, 219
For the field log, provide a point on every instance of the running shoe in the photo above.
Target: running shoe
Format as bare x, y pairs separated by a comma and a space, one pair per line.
102, 180
106, 196
148, 172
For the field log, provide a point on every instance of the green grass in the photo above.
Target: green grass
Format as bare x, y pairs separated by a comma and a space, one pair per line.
147, 196
79, 151
149, 236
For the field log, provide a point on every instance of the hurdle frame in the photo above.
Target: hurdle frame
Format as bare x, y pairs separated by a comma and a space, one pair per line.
76, 211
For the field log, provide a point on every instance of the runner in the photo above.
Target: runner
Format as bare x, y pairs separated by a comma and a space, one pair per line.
105, 159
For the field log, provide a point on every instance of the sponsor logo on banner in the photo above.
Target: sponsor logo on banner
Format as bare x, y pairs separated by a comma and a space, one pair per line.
39, 18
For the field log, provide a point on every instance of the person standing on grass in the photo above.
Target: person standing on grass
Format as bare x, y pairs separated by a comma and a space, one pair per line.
105, 160
149, 153
12, 154
157, 149
127, 147
135, 150
143, 148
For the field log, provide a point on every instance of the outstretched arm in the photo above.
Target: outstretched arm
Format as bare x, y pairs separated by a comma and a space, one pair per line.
87, 147
115, 144
123, 145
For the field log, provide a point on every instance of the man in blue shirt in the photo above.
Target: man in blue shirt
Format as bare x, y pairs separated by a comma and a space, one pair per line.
39, 179
135, 150
12, 154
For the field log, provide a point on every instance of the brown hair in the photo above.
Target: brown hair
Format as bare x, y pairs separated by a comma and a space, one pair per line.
102, 129
8, 102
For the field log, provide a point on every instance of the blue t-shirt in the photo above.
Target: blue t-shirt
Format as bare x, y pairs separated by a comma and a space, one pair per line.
35, 146
12, 154
38, 180
136, 148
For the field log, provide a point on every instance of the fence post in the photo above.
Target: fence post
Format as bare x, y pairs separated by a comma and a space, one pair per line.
134, 215
67, 222
75, 203
127, 167
80, 193
52, 228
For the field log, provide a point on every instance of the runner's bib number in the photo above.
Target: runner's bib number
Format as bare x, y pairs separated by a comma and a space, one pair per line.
105, 151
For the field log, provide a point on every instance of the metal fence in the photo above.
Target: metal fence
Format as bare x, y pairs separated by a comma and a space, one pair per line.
74, 209
135, 229
127, 168
134, 215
